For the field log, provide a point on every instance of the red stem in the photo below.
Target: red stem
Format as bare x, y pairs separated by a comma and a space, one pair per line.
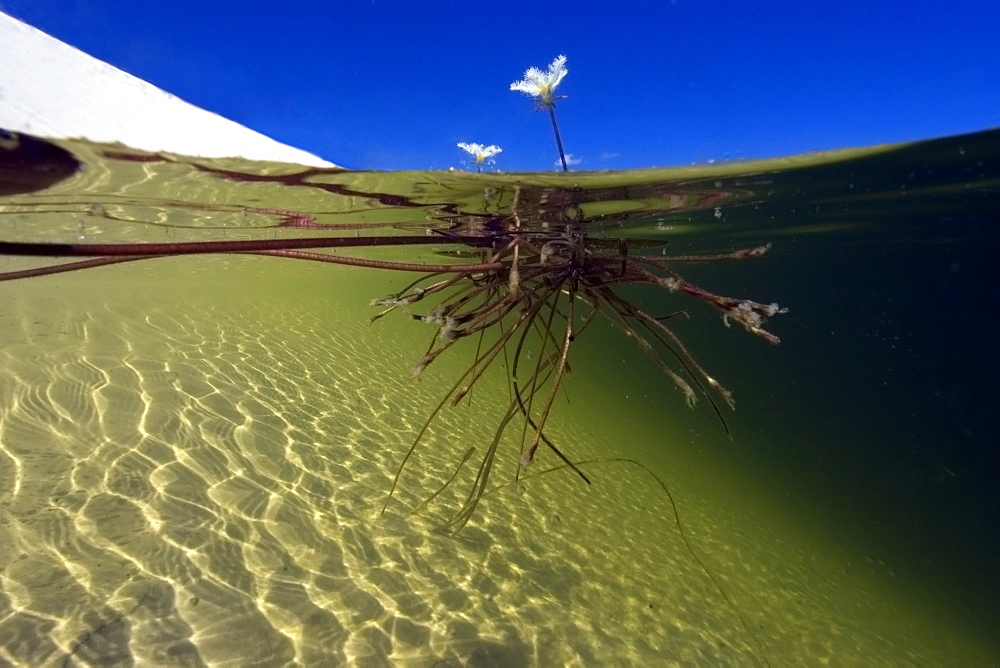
246, 246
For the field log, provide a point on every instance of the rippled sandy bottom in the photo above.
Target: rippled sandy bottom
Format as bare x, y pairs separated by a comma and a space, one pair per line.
193, 475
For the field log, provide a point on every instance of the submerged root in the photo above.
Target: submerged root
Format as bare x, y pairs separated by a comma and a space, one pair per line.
514, 294
520, 300
522, 270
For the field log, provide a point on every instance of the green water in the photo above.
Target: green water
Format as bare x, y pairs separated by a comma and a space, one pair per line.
194, 452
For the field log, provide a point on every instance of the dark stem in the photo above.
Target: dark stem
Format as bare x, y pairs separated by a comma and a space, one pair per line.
555, 129
247, 246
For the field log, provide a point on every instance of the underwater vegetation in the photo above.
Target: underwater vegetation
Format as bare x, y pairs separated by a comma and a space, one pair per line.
538, 287
549, 286
530, 283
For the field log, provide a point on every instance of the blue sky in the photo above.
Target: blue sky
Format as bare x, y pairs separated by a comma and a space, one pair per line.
388, 84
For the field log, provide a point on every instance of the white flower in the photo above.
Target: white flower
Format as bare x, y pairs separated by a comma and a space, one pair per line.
542, 85
480, 152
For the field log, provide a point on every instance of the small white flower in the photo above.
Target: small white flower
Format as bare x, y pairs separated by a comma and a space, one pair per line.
542, 85
479, 152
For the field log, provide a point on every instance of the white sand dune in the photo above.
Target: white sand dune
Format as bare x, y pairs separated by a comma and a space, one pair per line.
50, 89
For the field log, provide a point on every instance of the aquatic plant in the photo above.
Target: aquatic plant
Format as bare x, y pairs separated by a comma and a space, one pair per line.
545, 288
541, 86
536, 287
539, 280
480, 153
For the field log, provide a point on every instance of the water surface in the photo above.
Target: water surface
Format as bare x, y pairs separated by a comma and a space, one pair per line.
194, 451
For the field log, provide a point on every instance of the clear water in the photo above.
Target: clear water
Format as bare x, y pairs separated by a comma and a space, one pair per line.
194, 451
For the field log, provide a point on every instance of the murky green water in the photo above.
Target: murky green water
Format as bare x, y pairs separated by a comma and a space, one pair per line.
194, 451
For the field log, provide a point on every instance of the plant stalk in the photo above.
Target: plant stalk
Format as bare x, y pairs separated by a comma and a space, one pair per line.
559, 145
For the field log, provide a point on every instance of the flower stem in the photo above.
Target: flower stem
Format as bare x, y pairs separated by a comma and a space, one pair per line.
555, 129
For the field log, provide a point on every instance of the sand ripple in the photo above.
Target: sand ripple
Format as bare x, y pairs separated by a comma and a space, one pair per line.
195, 480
